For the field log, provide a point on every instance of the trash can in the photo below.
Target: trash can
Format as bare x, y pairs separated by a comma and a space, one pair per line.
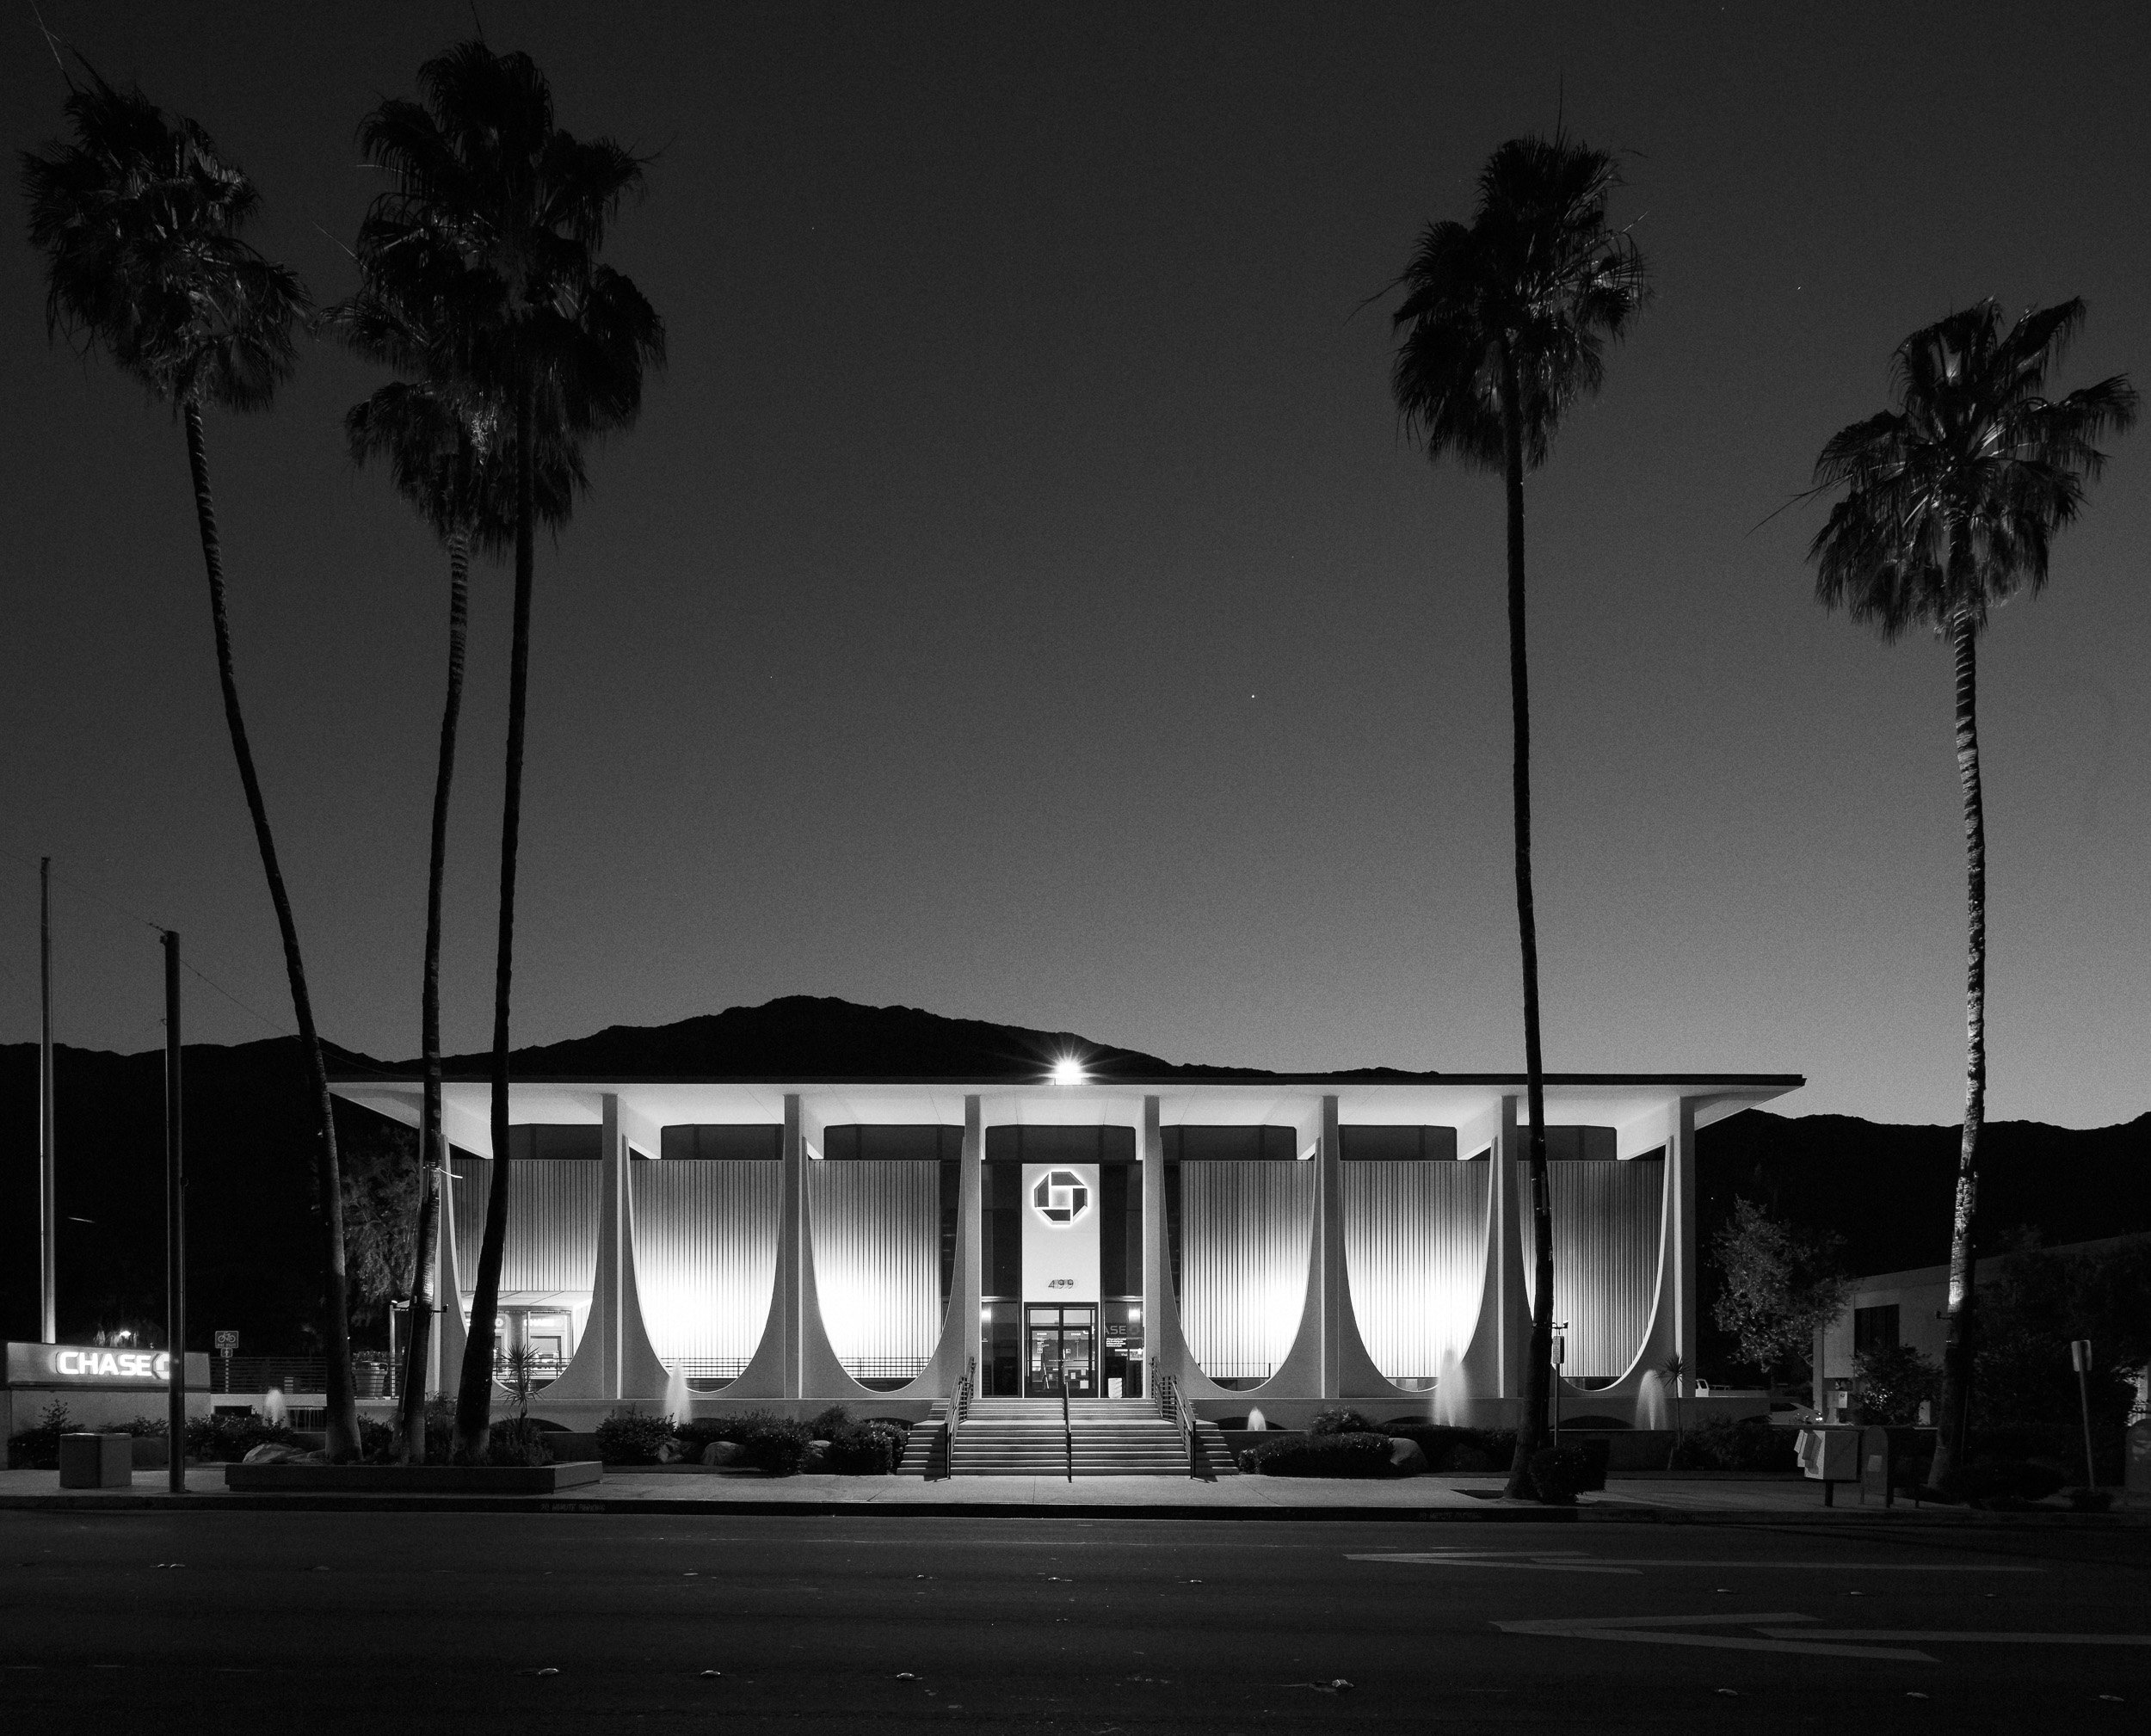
1890, 1459
96, 1462
1829, 1455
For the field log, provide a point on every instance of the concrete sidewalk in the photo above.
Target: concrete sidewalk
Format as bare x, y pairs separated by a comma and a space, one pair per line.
1466, 1500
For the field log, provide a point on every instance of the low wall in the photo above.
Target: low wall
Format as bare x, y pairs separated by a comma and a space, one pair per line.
583, 1415
89, 1408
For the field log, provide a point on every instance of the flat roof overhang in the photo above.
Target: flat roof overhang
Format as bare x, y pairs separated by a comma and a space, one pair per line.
1642, 1108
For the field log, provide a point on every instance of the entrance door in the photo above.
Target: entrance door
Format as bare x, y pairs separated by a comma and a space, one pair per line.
1061, 1342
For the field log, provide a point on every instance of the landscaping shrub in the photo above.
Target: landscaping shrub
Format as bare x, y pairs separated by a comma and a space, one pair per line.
521, 1441
1343, 1422
1358, 1454
866, 1450
1745, 1444
827, 1424
1455, 1451
628, 1437
1893, 1383
778, 1447
229, 1438
701, 1430
37, 1447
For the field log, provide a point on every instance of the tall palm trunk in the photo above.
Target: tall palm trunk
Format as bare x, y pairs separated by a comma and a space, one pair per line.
1530, 1433
1956, 1352
433, 1156
343, 1416
474, 1397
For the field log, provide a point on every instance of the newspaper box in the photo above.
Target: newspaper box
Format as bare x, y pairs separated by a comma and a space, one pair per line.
1829, 1455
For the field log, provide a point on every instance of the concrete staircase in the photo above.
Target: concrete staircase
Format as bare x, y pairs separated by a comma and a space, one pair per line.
1023, 1437
926, 1449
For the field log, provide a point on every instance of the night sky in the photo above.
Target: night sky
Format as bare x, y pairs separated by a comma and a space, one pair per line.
1017, 600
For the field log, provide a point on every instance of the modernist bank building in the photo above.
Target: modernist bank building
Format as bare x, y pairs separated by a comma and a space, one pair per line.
699, 1243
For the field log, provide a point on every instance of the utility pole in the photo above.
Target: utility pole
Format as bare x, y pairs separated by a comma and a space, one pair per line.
47, 1175
175, 1232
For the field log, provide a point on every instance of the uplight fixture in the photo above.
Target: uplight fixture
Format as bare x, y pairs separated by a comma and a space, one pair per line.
1068, 1071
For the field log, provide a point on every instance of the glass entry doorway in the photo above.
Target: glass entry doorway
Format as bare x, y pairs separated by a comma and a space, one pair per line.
1060, 1340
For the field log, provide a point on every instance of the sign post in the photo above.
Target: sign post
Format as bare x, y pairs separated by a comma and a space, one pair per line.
227, 1342
2081, 1355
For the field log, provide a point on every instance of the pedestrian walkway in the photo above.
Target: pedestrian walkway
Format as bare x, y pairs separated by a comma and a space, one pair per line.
1641, 1500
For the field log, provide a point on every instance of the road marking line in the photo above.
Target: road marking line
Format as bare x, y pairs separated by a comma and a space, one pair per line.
1974, 1637
1651, 1630
1477, 1557
1546, 1566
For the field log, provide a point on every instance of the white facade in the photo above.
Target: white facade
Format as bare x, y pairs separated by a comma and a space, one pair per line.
1311, 1274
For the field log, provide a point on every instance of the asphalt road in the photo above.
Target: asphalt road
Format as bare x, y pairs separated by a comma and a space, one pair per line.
406, 1622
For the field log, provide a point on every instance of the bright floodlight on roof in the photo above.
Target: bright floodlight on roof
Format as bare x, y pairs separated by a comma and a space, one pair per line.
1068, 1071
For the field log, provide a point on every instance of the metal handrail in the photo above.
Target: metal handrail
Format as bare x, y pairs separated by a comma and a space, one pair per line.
958, 1408
1068, 1428
1185, 1419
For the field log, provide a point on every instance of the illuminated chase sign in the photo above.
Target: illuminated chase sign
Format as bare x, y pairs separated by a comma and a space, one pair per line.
71, 1364
1060, 1196
97, 1366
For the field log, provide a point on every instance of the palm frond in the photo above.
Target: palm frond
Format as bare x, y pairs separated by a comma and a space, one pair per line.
139, 220
1953, 498
1537, 276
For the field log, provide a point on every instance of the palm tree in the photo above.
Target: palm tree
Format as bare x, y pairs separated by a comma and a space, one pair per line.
139, 220
1951, 502
492, 228
445, 460
1503, 325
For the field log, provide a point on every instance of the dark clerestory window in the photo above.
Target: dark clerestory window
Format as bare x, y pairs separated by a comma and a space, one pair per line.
1875, 1329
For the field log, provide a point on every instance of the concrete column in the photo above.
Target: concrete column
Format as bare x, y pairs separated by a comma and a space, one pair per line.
1505, 1258
614, 1359
956, 1349
611, 1257
1488, 1379
1161, 1312
444, 1370
1329, 1287
1680, 1189
793, 1251
970, 1278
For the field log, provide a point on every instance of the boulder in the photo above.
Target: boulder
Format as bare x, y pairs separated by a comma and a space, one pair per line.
269, 1453
1407, 1457
817, 1457
722, 1453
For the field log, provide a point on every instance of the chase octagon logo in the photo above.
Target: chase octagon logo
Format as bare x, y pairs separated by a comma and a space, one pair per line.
1060, 1196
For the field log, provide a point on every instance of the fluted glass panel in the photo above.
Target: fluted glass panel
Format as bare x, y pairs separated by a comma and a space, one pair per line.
1245, 1229
1607, 1216
877, 1235
706, 1258
1415, 1250
552, 1205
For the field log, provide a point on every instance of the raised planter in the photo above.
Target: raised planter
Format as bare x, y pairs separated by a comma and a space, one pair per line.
407, 1480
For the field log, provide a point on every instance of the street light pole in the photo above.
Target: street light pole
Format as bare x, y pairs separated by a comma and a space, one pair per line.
175, 1233
47, 1171
2080, 1355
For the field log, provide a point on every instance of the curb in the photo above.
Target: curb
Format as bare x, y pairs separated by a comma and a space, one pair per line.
1488, 1513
